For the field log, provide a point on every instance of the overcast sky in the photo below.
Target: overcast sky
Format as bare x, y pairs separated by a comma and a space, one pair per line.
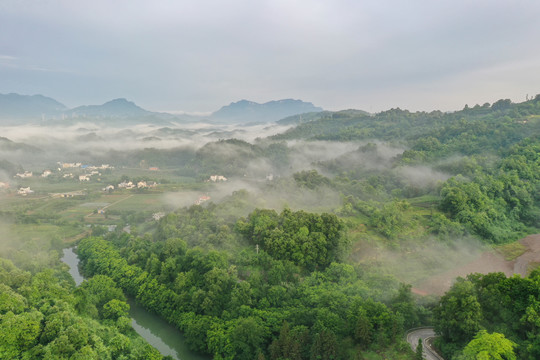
200, 55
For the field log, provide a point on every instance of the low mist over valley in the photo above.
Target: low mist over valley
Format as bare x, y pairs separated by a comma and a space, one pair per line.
246, 215
270, 180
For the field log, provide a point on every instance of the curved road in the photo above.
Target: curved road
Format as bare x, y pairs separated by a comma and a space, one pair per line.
426, 334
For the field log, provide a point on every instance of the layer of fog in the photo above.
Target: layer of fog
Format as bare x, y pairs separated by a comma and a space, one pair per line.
415, 261
276, 195
31, 252
262, 178
422, 176
64, 143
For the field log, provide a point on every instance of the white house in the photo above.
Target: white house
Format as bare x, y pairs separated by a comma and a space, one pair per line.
84, 177
126, 185
46, 173
216, 178
25, 174
25, 191
158, 215
108, 188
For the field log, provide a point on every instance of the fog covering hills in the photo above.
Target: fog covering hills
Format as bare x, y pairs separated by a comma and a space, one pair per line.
18, 109
415, 193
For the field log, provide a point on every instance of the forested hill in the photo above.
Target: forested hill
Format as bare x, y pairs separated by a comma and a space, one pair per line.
473, 129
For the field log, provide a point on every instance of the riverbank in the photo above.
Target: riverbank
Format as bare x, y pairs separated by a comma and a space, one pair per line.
167, 339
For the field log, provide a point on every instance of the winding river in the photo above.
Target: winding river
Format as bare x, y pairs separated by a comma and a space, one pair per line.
156, 331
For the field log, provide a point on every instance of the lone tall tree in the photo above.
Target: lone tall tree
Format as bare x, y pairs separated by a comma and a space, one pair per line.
419, 351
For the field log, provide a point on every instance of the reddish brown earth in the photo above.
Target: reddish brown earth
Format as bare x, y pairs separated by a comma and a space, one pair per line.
486, 262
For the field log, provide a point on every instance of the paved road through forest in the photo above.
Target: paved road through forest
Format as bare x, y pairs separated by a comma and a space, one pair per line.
425, 333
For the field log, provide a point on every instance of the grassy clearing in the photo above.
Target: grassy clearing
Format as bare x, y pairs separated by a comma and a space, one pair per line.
144, 202
532, 266
43, 231
511, 251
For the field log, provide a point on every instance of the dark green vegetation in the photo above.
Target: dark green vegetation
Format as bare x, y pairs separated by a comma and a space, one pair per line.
305, 252
492, 303
266, 304
42, 316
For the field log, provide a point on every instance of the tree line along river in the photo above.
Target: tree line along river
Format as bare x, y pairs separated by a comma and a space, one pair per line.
167, 339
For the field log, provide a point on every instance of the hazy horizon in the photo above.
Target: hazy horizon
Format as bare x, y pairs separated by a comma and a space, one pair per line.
197, 57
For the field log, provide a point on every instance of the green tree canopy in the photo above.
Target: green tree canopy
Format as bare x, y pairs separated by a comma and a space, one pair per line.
489, 347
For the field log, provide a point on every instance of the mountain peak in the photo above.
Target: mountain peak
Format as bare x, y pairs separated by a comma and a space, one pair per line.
121, 101
115, 108
250, 111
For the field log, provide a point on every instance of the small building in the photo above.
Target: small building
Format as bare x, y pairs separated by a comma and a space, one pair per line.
4, 185
70, 165
46, 173
153, 168
201, 199
84, 177
101, 211
108, 188
216, 178
126, 185
70, 194
25, 191
26, 174
158, 215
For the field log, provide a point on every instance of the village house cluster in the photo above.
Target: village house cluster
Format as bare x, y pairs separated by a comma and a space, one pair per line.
128, 185
65, 165
89, 170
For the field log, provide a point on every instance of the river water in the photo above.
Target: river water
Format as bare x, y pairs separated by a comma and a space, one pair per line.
156, 331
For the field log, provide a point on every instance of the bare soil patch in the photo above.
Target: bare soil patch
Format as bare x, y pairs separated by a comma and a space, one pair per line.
486, 262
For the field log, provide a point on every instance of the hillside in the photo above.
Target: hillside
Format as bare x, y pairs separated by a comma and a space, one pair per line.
14, 108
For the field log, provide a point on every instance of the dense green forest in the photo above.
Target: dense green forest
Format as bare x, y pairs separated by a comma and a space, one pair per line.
43, 316
507, 307
287, 264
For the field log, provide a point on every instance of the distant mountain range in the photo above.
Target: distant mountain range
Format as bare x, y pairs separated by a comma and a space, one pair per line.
113, 108
16, 107
20, 109
249, 111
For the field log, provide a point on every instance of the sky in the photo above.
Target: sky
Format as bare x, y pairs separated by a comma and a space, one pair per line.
196, 56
